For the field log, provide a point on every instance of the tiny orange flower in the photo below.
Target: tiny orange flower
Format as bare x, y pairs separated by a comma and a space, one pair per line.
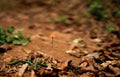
52, 35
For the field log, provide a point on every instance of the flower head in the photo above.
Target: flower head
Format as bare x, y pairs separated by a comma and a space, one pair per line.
52, 35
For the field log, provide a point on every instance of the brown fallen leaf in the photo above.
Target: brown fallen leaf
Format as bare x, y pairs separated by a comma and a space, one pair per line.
89, 68
116, 70
90, 60
54, 62
100, 74
108, 55
95, 55
98, 66
84, 64
105, 64
64, 65
117, 54
22, 70
79, 42
41, 53
33, 73
97, 40
26, 51
76, 53
87, 74
49, 67
108, 74
34, 54
71, 51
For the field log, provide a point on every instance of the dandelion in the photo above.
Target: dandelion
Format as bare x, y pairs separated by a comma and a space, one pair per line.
52, 36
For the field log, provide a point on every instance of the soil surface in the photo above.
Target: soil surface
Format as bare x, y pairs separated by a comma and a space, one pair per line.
82, 50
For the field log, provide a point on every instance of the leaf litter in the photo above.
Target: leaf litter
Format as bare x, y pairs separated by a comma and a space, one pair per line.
103, 62
99, 63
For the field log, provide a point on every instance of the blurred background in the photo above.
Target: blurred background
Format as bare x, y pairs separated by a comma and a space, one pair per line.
68, 13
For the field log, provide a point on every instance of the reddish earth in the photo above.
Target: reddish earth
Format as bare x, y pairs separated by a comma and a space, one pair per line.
35, 22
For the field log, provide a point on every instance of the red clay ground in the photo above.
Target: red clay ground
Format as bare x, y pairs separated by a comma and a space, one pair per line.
36, 24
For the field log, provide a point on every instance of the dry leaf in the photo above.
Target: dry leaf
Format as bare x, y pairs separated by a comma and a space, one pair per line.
105, 64
97, 40
79, 42
87, 74
64, 65
41, 53
84, 64
26, 51
22, 70
33, 73
49, 67
95, 55
116, 70
34, 54
71, 51
54, 62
